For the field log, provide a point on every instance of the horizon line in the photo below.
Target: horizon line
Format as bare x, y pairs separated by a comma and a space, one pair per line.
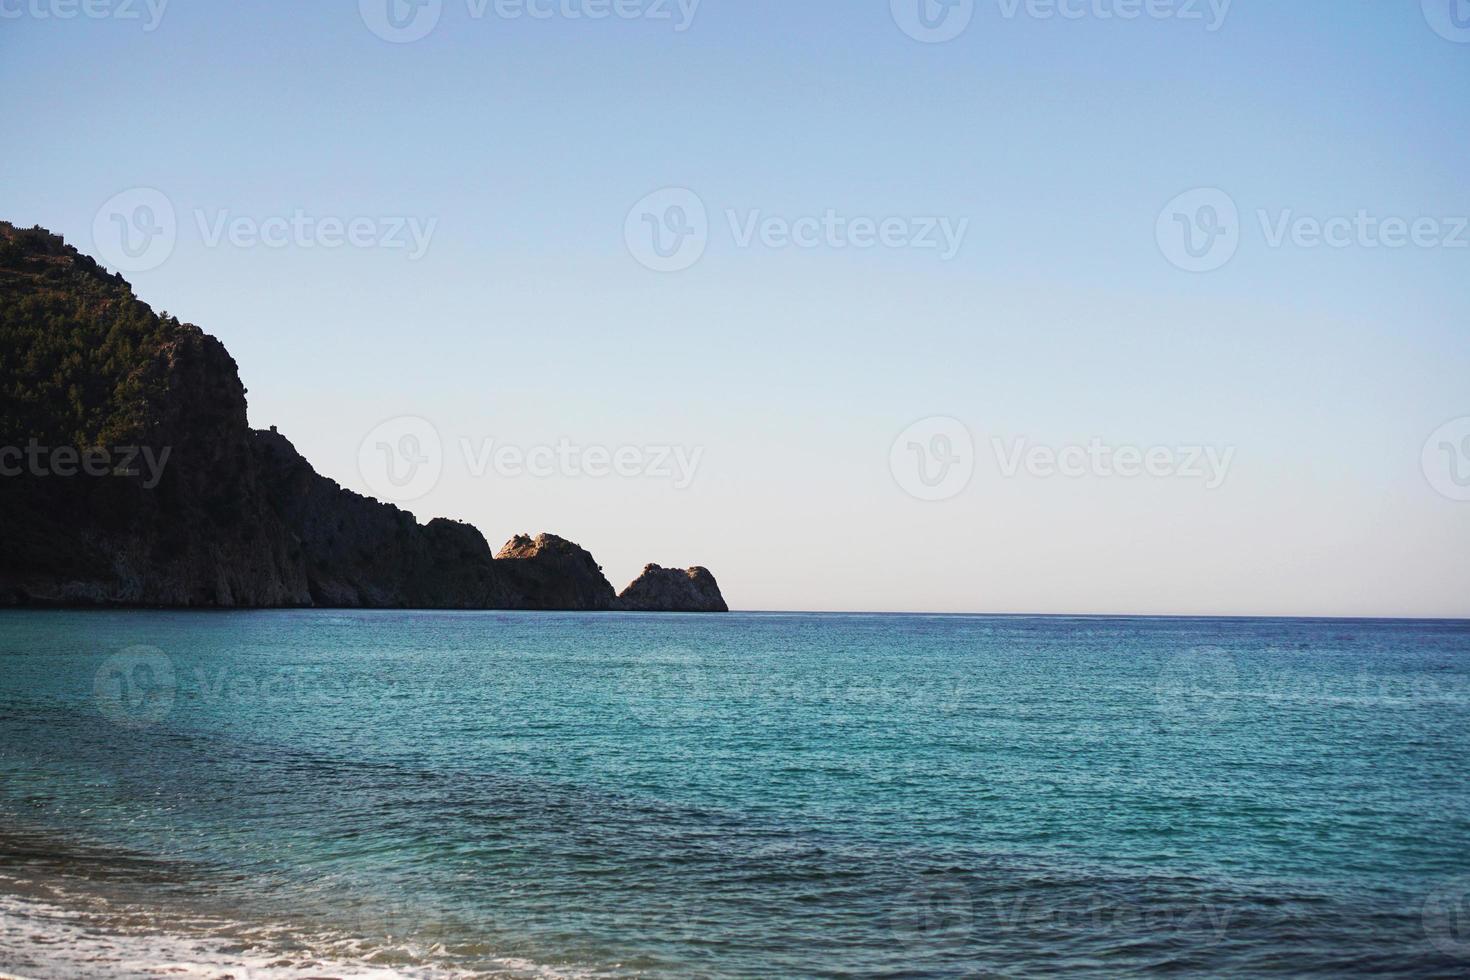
734, 612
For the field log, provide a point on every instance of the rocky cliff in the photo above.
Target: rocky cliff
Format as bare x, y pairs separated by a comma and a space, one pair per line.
129, 476
549, 572
673, 590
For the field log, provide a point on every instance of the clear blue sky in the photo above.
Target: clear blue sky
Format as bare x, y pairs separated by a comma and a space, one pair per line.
793, 370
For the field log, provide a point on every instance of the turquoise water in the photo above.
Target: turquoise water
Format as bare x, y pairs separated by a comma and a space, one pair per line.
748, 795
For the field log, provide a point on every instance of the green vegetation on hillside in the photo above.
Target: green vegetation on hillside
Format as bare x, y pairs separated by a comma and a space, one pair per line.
78, 351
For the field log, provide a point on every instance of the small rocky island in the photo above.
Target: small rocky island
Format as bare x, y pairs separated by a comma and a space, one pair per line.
237, 517
661, 589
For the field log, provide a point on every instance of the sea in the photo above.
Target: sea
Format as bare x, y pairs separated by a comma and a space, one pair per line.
485, 794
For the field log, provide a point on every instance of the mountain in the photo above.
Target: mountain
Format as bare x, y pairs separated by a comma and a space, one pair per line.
130, 476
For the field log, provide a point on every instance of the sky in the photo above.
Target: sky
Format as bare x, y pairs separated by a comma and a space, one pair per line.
1086, 306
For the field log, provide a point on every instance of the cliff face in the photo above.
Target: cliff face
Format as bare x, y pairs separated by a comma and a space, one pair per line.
179, 502
355, 551
84, 364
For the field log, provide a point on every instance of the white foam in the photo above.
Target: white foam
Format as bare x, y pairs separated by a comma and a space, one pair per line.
43, 940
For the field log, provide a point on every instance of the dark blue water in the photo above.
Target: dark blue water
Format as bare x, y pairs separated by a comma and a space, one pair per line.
750, 795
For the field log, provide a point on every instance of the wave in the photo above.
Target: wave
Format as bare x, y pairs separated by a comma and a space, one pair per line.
49, 932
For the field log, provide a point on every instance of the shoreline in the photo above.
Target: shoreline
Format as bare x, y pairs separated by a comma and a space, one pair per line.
69, 908
70, 935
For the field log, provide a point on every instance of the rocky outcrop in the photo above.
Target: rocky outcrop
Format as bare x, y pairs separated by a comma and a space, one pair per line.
549, 572
229, 517
673, 590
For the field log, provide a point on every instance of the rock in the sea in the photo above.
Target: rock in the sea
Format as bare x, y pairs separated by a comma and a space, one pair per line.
673, 590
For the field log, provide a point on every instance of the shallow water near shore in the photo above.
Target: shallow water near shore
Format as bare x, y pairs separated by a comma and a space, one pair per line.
319, 793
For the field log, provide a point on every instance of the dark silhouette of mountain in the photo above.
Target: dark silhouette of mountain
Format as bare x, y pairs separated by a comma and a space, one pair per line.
130, 476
